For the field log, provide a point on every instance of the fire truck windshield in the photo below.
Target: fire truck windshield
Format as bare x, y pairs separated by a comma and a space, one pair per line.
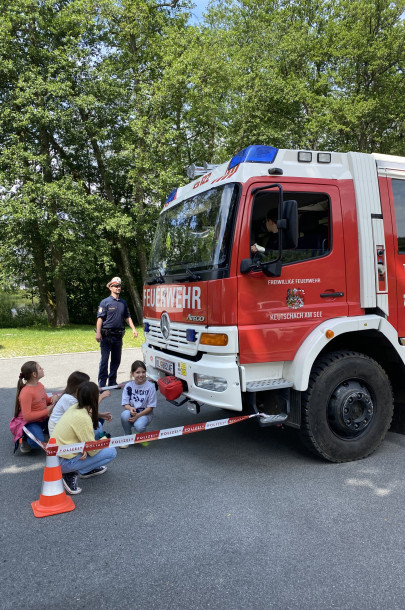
195, 234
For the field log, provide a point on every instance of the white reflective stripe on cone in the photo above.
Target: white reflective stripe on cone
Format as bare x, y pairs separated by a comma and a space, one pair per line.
52, 488
52, 461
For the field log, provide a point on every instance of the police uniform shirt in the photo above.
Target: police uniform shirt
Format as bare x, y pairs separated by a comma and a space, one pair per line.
113, 312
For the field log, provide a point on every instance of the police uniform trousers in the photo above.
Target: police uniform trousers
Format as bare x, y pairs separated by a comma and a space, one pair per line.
110, 346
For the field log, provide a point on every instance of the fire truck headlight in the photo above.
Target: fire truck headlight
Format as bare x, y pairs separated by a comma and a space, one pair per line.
215, 384
214, 339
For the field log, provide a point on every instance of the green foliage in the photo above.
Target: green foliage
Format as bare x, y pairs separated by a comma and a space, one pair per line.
17, 314
103, 104
69, 157
323, 74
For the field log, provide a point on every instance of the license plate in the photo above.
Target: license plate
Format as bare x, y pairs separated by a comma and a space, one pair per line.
164, 365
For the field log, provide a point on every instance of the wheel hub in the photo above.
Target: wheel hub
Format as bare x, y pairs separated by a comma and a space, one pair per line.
350, 408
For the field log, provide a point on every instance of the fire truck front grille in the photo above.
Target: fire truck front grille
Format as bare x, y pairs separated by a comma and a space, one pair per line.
177, 340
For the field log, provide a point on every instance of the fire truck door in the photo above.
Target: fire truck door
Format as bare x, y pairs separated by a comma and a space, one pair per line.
275, 314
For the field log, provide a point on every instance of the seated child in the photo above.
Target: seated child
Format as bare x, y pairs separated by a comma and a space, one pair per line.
77, 425
138, 400
33, 403
69, 398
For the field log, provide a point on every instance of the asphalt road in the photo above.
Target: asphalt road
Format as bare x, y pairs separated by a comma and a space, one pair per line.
234, 518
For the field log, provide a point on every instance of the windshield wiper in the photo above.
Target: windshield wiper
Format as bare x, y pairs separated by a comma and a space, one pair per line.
191, 276
158, 278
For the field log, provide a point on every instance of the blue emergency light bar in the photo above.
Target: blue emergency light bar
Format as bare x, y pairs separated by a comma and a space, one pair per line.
254, 154
171, 196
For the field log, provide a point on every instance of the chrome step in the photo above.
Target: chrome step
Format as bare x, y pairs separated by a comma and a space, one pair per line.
268, 384
271, 420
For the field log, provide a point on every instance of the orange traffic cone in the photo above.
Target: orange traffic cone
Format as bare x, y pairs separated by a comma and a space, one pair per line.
53, 499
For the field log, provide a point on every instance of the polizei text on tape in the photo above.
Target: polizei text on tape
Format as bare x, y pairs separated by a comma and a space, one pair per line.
141, 437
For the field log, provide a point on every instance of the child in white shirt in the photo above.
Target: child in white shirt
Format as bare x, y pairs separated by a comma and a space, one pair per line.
138, 400
69, 398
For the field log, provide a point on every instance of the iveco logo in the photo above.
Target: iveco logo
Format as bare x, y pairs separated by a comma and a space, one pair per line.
195, 318
165, 325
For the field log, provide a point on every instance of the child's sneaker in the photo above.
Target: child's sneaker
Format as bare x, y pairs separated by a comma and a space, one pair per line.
145, 444
124, 446
94, 472
70, 483
24, 446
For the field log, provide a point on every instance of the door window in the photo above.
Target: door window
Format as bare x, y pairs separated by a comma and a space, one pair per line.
398, 191
313, 226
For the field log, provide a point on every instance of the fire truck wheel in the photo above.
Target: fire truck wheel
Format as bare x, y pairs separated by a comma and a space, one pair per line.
347, 408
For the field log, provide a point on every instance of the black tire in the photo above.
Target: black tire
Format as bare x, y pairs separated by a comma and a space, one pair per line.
347, 408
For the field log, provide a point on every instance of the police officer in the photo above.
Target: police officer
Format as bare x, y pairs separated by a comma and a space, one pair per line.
111, 314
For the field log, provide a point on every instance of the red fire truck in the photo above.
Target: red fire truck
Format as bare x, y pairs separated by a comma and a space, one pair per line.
277, 285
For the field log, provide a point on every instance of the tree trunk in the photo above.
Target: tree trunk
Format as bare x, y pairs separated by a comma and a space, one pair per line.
120, 242
140, 237
40, 273
62, 312
133, 290
143, 262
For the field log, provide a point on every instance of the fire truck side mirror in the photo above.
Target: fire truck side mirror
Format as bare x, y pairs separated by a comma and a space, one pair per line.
290, 228
271, 269
246, 265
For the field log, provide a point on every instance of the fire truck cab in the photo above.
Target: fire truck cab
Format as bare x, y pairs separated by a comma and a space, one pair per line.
276, 285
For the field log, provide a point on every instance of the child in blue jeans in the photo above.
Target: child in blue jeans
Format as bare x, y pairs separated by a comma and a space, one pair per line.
138, 400
77, 425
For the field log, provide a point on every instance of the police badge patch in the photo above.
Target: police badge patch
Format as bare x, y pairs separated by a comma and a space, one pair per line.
100, 310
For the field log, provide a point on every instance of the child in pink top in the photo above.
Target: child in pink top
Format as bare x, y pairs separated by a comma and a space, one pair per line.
33, 403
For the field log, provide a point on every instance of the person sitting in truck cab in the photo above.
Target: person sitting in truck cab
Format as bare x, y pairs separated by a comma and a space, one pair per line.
266, 237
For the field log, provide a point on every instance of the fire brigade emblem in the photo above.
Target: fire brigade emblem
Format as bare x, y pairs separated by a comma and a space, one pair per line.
295, 298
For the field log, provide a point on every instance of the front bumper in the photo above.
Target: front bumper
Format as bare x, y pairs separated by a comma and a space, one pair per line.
213, 365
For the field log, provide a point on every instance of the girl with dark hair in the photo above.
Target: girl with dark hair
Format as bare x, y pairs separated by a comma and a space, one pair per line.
69, 398
77, 425
138, 400
33, 403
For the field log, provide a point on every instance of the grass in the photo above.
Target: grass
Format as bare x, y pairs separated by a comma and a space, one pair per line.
37, 341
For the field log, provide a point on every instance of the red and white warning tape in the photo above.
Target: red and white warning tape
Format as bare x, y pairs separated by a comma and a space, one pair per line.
34, 438
114, 387
118, 386
141, 437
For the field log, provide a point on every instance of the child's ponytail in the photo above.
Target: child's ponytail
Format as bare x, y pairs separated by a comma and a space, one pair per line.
27, 369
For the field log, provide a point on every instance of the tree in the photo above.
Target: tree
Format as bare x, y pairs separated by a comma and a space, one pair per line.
66, 144
318, 74
367, 111
103, 105
43, 206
